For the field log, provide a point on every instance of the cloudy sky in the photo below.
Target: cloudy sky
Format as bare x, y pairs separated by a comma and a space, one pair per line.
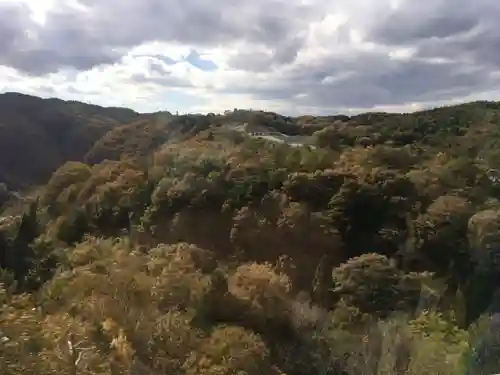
289, 56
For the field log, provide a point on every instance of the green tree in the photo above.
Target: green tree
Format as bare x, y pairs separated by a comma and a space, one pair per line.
73, 226
4, 193
372, 283
19, 256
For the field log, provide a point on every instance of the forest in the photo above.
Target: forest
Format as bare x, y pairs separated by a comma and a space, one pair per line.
179, 244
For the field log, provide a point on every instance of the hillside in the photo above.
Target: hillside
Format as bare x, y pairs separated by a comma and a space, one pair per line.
52, 131
189, 245
142, 137
38, 135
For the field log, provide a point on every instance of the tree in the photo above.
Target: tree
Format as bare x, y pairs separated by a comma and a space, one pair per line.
67, 176
73, 226
4, 248
365, 205
19, 256
372, 283
442, 235
484, 247
4, 193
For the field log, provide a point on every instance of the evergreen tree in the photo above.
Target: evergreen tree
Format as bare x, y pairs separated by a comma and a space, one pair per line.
21, 255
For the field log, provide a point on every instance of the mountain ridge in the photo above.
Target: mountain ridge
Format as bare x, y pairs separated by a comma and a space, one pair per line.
53, 131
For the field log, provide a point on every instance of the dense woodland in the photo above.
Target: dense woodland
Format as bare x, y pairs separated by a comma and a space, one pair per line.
165, 244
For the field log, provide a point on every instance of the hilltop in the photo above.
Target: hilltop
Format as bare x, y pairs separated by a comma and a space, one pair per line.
250, 242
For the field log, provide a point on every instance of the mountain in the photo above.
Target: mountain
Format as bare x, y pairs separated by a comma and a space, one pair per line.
38, 135
250, 242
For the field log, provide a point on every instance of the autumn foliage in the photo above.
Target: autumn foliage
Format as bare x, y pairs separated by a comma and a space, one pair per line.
182, 245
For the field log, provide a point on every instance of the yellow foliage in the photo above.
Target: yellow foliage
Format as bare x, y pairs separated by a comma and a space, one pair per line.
231, 350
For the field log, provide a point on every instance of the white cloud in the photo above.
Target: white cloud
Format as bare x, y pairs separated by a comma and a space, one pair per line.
297, 56
402, 53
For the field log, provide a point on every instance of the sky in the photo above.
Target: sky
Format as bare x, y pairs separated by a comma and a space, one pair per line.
289, 56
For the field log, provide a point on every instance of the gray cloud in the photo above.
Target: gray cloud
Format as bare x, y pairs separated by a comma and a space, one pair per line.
456, 44
71, 37
36, 50
457, 48
409, 29
284, 52
15, 23
415, 21
162, 78
481, 47
452, 29
13, 19
365, 80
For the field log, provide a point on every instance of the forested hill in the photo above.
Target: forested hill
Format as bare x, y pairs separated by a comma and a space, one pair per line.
250, 242
38, 135
52, 131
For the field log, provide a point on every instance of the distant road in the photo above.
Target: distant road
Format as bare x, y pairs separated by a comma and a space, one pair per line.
293, 141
